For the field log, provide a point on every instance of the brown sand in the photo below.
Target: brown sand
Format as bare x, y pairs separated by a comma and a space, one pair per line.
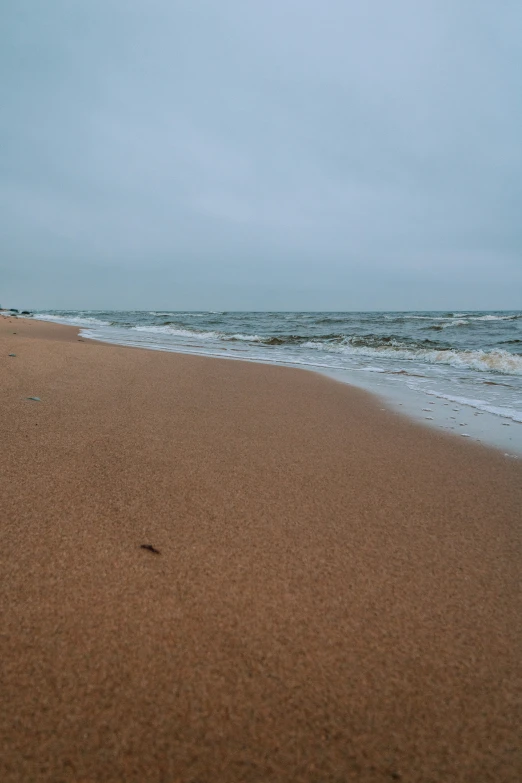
336, 598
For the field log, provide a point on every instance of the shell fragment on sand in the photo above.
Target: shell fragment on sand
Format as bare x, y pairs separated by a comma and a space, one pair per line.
150, 548
35, 399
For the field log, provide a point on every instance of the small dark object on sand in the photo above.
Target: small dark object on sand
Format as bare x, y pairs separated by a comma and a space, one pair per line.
150, 548
12, 354
36, 399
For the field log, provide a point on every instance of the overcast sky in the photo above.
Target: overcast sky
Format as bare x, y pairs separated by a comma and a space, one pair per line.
261, 154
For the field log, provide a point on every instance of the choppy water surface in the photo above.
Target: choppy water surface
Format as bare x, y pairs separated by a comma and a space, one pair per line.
466, 363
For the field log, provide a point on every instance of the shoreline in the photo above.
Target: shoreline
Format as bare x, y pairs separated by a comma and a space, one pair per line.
336, 595
486, 432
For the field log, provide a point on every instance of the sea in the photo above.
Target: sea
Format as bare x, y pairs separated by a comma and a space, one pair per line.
459, 371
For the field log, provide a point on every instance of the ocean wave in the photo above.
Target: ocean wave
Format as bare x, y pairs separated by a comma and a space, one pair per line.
392, 347
470, 319
72, 320
494, 317
453, 318
449, 323
498, 361
299, 339
373, 341
332, 320
339, 339
457, 322
176, 331
408, 317
247, 338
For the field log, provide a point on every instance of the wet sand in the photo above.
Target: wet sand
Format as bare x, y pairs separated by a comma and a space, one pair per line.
336, 595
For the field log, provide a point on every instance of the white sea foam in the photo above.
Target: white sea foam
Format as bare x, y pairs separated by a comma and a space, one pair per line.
454, 318
454, 322
195, 334
493, 317
73, 320
175, 332
464, 320
251, 338
493, 361
482, 405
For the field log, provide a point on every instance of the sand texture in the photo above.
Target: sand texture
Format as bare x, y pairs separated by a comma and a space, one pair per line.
336, 595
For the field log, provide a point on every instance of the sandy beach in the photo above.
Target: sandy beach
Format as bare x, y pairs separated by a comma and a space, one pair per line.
335, 594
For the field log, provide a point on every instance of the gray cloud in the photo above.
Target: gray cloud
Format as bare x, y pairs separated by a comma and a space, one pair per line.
284, 154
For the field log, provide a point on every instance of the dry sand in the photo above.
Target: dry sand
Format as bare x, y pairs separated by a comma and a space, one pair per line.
337, 596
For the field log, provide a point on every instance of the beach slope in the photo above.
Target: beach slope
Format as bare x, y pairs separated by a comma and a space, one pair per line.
335, 593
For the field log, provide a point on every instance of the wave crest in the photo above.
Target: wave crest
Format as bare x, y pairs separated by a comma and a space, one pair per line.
499, 360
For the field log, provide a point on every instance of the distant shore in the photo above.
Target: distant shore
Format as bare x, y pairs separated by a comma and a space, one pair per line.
223, 571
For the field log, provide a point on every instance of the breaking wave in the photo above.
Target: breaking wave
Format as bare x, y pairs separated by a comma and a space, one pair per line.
391, 346
178, 331
452, 319
73, 320
499, 361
